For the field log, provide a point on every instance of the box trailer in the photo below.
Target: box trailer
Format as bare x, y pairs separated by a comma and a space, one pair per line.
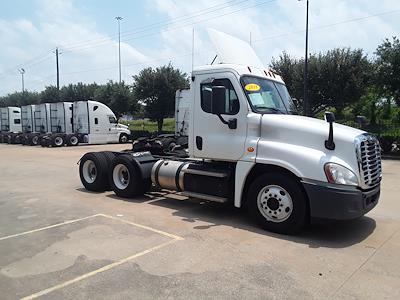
248, 147
61, 126
10, 123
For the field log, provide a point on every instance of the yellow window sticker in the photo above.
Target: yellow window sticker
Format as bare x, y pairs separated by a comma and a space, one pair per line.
252, 87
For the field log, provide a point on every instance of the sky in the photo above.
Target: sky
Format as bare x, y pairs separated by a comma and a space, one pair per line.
156, 32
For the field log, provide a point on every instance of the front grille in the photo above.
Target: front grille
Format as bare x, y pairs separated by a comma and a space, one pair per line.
369, 159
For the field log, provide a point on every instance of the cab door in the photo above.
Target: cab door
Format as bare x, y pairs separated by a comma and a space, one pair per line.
211, 137
113, 132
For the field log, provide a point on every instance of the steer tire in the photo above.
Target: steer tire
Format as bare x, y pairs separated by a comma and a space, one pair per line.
72, 140
267, 202
123, 168
123, 138
94, 180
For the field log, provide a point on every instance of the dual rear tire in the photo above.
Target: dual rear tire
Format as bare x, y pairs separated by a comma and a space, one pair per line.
102, 171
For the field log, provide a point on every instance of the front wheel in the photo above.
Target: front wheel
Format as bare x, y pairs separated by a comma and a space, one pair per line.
277, 202
123, 138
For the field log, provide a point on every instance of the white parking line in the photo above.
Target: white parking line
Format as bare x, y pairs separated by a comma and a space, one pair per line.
90, 274
48, 227
144, 227
174, 238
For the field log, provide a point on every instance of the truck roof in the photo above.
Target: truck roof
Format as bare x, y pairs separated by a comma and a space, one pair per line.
240, 70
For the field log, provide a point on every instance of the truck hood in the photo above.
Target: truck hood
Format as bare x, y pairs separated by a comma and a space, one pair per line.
122, 126
305, 130
301, 141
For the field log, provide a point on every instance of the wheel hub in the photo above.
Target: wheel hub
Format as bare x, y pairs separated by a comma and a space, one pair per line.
89, 171
275, 203
121, 176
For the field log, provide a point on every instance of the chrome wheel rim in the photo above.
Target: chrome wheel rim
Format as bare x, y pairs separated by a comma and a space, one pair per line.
124, 139
121, 176
275, 203
73, 140
58, 141
89, 171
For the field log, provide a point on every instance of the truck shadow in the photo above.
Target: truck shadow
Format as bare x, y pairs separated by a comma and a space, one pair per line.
329, 234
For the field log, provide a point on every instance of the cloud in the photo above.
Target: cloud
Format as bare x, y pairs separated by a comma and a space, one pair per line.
275, 26
59, 24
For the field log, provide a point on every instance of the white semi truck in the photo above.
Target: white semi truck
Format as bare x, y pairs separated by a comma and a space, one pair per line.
10, 122
247, 147
95, 123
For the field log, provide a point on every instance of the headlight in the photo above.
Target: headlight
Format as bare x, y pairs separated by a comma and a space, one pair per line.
338, 174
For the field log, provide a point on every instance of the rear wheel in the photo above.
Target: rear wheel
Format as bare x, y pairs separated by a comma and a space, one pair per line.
58, 141
72, 140
125, 178
93, 171
277, 202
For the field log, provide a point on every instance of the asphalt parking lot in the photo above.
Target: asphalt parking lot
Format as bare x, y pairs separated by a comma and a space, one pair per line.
59, 241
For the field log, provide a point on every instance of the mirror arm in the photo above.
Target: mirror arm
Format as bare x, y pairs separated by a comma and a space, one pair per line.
223, 120
232, 123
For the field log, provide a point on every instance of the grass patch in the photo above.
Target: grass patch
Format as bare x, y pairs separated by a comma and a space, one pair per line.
147, 125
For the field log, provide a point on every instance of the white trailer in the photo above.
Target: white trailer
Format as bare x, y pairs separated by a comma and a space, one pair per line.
42, 118
10, 123
248, 147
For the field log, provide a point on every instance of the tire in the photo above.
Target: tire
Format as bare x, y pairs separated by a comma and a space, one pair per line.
93, 171
109, 158
277, 202
123, 138
34, 140
125, 178
72, 140
57, 140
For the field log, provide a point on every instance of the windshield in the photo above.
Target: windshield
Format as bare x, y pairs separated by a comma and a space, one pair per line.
267, 96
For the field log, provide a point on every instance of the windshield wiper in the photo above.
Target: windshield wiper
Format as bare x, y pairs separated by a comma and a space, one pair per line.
274, 109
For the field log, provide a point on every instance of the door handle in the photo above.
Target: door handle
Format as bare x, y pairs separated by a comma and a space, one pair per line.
199, 142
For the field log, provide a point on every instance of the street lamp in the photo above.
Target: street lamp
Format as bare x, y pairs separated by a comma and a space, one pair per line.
305, 97
119, 45
22, 72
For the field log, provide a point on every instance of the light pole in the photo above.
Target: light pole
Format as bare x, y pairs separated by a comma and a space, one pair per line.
119, 45
22, 72
305, 95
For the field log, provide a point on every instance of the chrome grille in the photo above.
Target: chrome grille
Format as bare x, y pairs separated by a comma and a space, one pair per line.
369, 160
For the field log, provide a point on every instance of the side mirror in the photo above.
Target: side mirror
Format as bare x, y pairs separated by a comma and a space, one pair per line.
296, 102
329, 117
218, 100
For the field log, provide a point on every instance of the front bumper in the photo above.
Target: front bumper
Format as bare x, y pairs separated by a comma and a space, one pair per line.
328, 201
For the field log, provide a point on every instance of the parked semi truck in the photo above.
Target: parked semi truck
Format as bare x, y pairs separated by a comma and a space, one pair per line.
10, 122
248, 147
52, 124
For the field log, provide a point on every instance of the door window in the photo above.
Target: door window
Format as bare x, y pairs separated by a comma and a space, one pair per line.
231, 98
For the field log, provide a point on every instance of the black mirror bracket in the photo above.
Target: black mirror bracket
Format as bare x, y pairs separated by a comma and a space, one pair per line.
232, 123
329, 143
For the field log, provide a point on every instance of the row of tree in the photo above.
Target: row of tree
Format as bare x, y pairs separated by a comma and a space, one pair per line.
152, 94
344, 79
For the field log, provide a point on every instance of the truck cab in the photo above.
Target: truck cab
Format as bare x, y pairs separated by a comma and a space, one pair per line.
96, 123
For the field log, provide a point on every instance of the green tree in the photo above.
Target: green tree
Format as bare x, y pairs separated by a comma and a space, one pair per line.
118, 96
50, 95
156, 88
388, 69
336, 78
78, 92
19, 99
